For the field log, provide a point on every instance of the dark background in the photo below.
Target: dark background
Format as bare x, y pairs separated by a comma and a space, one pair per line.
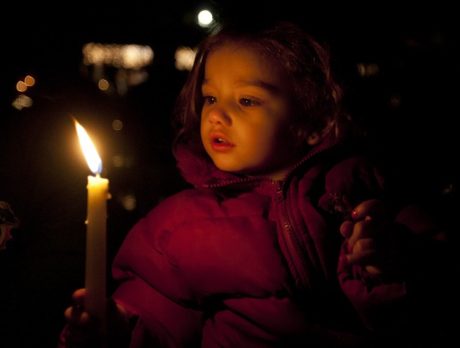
409, 108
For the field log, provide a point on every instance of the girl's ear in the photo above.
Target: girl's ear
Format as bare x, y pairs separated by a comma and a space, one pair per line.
313, 138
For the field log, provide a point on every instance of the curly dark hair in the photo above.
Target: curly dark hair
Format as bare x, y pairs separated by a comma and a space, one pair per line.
316, 96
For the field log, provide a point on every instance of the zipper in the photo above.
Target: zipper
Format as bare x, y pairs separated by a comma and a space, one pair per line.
234, 181
296, 256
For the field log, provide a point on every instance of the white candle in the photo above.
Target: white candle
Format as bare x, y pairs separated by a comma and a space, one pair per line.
95, 268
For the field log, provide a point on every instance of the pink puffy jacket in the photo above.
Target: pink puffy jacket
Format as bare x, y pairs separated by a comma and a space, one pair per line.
250, 262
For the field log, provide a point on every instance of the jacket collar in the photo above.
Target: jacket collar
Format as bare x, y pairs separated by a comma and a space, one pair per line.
198, 169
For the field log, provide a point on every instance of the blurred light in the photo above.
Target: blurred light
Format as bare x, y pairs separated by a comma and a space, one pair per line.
117, 125
21, 87
93, 54
118, 161
367, 70
448, 189
205, 18
103, 84
128, 202
137, 77
395, 102
29, 80
136, 56
22, 101
125, 56
184, 56
129, 62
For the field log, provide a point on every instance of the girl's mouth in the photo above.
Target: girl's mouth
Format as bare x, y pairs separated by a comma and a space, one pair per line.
220, 143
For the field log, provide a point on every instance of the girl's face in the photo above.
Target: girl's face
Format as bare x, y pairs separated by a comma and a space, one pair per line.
245, 114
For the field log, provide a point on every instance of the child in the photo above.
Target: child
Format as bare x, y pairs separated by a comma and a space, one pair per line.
286, 238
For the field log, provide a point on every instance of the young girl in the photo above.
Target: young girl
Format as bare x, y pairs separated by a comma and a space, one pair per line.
286, 238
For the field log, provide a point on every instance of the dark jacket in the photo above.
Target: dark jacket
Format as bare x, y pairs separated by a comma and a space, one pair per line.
250, 262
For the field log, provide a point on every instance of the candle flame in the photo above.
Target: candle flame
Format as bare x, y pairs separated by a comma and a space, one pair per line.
89, 150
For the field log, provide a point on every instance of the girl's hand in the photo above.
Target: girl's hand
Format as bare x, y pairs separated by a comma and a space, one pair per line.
364, 234
82, 329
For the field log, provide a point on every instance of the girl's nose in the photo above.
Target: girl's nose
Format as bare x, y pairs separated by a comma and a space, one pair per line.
219, 116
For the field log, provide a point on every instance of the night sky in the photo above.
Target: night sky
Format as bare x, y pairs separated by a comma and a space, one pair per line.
409, 107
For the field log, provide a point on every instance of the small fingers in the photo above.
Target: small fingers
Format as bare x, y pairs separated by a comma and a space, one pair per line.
363, 252
361, 229
364, 259
364, 245
75, 315
371, 207
360, 258
346, 229
78, 296
373, 269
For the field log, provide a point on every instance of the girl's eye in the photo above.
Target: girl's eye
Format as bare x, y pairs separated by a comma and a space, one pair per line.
207, 99
249, 102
